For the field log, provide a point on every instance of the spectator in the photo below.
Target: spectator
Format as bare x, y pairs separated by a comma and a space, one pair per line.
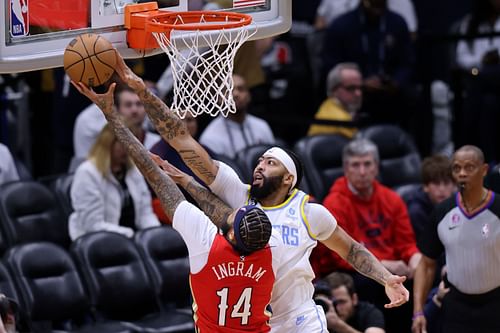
375, 216
8, 171
90, 122
227, 136
466, 227
346, 313
378, 40
479, 58
437, 186
434, 304
481, 51
344, 90
108, 192
328, 10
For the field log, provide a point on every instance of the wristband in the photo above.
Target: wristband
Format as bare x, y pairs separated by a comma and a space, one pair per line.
417, 314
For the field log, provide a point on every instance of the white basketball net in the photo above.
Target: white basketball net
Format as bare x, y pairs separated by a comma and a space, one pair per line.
202, 66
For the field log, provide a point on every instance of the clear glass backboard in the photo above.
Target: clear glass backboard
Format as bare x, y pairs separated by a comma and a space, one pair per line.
36, 32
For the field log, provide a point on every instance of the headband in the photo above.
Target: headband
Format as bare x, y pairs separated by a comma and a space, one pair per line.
285, 159
240, 214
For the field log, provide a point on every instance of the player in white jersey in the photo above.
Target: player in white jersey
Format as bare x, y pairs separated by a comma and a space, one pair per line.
274, 188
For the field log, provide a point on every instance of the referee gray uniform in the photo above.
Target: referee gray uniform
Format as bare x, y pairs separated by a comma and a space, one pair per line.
472, 248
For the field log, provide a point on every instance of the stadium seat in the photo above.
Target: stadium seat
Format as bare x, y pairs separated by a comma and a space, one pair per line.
119, 284
322, 159
399, 158
166, 257
492, 180
62, 187
51, 290
29, 212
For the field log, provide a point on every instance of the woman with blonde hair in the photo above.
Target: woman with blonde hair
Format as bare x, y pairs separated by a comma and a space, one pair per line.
108, 192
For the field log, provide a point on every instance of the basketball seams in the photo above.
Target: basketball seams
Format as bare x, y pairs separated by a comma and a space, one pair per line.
101, 61
95, 49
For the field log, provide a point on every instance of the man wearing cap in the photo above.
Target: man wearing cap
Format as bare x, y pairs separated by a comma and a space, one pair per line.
301, 223
233, 258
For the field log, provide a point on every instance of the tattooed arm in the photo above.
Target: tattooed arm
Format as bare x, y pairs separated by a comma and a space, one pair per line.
366, 263
171, 128
165, 188
216, 209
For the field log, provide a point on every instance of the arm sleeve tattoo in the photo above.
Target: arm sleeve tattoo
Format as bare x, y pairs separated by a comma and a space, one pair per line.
366, 263
214, 208
166, 122
167, 191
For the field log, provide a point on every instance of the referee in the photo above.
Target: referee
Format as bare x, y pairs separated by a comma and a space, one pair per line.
466, 227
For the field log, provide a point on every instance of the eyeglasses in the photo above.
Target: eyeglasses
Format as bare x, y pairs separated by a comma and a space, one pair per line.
351, 88
129, 104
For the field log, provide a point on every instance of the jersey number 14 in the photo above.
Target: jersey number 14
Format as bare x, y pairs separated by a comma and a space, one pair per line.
240, 310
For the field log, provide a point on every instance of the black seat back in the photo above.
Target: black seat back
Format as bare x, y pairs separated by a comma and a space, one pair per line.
399, 158
48, 282
115, 275
322, 159
166, 257
29, 212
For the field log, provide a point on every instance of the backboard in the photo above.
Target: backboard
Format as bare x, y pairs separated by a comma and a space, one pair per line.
36, 32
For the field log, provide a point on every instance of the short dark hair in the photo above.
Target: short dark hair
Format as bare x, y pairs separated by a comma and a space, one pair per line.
120, 88
336, 280
436, 168
252, 229
470, 148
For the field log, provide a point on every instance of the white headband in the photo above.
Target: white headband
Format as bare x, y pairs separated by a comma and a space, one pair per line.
284, 158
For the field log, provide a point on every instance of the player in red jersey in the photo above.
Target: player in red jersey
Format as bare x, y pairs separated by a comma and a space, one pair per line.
232, 267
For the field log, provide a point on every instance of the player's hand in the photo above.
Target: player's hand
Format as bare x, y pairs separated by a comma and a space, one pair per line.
177, 175
419, 325
103, 101
127, 75
396, 291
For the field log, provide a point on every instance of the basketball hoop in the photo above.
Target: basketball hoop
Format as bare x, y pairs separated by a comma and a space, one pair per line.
201, 46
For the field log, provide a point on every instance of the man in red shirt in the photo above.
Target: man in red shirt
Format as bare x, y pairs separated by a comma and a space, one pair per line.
372, 214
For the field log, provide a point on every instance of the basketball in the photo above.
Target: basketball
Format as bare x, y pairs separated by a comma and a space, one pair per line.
89, 58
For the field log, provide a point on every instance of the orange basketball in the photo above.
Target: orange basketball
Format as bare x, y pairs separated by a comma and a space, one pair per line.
89, 58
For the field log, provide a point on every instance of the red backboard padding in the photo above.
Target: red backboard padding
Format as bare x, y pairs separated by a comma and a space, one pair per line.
59, 14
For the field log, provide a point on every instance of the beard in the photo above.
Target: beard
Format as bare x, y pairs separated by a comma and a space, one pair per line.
269, 186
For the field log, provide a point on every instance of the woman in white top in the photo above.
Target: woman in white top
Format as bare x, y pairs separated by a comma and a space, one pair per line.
108, 192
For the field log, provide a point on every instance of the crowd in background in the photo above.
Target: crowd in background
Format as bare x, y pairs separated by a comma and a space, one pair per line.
426, 67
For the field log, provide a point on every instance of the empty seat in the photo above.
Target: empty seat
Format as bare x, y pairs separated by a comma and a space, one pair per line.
120, 286
51, 290
322, 159
399, 158
29, 212
166, 257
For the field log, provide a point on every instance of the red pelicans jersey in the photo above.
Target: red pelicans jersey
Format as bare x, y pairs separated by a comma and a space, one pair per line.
231, 293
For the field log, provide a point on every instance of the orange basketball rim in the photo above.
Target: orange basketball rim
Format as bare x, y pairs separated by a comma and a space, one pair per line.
142, 20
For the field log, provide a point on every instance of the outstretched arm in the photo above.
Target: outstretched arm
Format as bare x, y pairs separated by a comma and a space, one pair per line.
171, 128
366, 263
166, 190
216, 209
